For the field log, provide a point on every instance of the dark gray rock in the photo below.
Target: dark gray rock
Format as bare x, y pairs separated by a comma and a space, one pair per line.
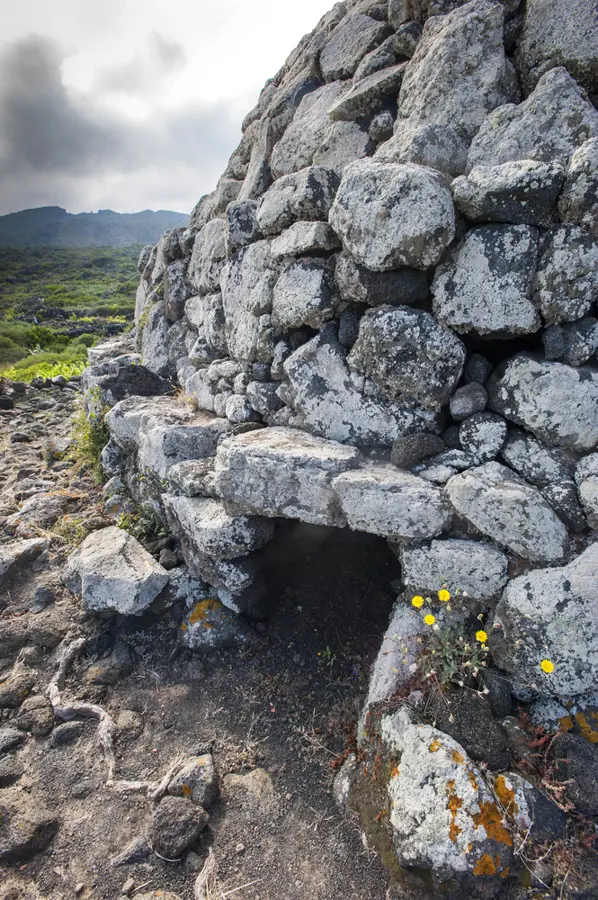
36, 716
11, 770
66, 733
524, 192
467, 717
348, 328
477, 368
575, 763
410, 449
578, 204
382, 126
367, 96
499, 691
534, 461
467, 400
242, 225
574, 343
566, 282
176, 290
26, 827
10, 738
357, 284
408, 355
176, 825
564, 500
304, 295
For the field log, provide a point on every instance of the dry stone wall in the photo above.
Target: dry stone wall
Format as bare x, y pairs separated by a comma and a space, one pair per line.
383, 318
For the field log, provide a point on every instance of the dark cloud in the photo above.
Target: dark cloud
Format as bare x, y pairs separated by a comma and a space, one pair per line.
63, 148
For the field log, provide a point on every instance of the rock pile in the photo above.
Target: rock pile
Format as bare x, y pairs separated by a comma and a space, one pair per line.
383, 318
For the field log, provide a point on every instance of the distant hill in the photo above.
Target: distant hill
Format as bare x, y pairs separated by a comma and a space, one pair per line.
51, 226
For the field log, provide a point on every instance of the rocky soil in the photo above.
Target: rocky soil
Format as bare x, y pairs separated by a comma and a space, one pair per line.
277, 717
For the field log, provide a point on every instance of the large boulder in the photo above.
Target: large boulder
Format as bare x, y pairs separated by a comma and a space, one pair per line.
111, 571
559, 33
485, 286
524, 192
330, 401
557, 403
297, 147
476, 569
534, 461
551, 614
566, 283
549, 126
578, 204
459, 72
443, 816
282, 472
163, 444
176, 290
206, 526
381, 499
350, 41
389, 215
408, 355
357, 284
247, 285
304, 295
511, 512
154, 346
208, 257
304, 196
368, 94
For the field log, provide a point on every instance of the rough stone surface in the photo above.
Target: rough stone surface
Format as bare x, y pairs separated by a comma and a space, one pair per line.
331, 403
551, 614
410, 449
304, 295
554, 121
483, 435
562, 33
304, 238
557, 403
467, 717
112, 571
247, 285
381, 499
306, 195
197, 781
389, 215
515, 515
573, 343
210, 530
566, 283
366, 96
303, 137
578, 203
282, 472
524, 192
467, 400
211, 626
443, 816
473, 567
408, 355
485, 287
15, 556
26, 827
359, 285
349, 43
534, 461
163, 445
576, 765
177, 823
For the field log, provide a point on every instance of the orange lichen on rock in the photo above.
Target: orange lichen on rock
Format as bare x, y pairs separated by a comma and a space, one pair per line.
490, 819
187, 790
394, 772
435, 746
566, 723
485, 866
506, 795
586, 730
473, 780
454, 804
201, 611
457, 757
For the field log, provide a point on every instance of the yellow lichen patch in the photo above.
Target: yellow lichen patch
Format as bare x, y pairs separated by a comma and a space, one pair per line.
201, 610
187, 790
490, 819
505, 872
457, 757
566, 723
473, 780
485, 865
586, 729
184, 627
435, 746
453, 805
394, 772
506, 795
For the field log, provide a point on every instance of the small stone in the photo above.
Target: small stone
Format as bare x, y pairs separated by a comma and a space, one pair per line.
575, 763
477, 368
348, 329
197, 781
7, 403
483, 435
410, 449
168, 559
177, 823
467, 400
66, 733
467, 717
129, 886
137, 851
10, 738
240, 848
36, 715
20, 437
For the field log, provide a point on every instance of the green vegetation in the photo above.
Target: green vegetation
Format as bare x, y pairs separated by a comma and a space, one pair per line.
90, 435
56, 302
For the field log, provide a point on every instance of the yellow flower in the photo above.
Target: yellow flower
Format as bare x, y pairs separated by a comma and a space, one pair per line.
481, 636
429, 619
444, 596
547, 666
417, 601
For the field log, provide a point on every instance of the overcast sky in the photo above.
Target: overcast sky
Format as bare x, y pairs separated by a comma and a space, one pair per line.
132, 104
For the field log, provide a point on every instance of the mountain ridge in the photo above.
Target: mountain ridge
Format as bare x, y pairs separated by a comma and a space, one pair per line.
53, 226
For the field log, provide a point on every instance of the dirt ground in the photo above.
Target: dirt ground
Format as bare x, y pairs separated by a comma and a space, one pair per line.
278, 717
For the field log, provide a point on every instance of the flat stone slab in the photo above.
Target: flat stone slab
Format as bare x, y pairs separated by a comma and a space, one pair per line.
381, 499
283, 472
126, 418
207, 526
473, 567
163, 445
112, 571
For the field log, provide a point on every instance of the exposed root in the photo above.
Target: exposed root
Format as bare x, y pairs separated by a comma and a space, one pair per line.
66, 711
205, 884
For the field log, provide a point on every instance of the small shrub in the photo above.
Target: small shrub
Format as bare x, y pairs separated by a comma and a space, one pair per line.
90, 436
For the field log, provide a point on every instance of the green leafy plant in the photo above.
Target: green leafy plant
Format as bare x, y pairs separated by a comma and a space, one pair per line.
90, 435
144, 524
